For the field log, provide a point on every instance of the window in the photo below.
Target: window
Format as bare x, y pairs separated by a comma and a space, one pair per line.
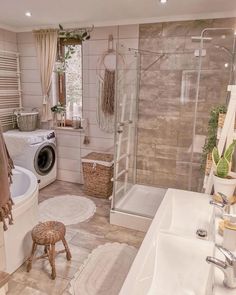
70, 82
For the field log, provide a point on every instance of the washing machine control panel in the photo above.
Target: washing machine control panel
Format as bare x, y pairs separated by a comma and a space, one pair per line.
51, 135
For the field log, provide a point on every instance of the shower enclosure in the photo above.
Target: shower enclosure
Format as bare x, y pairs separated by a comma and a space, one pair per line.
163, 100
129, 198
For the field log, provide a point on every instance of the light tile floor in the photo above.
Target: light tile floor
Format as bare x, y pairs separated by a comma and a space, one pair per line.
82, 238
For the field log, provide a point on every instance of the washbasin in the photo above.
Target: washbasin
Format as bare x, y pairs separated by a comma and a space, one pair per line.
185, 212
178, 267
172, 258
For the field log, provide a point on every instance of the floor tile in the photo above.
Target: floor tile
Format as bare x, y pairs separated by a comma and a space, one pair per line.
82, 238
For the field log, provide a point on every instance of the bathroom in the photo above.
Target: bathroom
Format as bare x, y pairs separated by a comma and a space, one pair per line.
130, 186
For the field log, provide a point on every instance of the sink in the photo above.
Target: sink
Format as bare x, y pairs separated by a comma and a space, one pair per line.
172, 258
178, 267
185, 212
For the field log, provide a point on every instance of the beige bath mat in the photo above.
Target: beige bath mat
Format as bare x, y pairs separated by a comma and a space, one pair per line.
68, 209
105, 270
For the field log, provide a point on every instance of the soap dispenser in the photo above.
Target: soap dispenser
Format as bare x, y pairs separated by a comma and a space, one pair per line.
229, 236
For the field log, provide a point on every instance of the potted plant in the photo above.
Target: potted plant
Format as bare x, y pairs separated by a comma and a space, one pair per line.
59, 111
223, 182
210, 143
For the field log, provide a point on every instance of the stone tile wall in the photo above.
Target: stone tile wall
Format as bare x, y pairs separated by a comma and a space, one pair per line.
167, 99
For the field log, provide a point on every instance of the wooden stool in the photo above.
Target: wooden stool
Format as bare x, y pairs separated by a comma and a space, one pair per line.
47, 234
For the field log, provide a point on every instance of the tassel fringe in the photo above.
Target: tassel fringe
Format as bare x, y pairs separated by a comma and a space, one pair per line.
6, 213
86, 140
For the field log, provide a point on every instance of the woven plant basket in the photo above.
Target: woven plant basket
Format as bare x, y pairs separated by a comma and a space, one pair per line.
98, 172
209, 163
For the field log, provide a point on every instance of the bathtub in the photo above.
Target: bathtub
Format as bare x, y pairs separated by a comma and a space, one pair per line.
17, 239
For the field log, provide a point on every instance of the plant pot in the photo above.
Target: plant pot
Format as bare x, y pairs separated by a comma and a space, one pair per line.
225, 186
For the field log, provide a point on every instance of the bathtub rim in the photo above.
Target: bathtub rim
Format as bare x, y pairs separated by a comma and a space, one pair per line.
31, 190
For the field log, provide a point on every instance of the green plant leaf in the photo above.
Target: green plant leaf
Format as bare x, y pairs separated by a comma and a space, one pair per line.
215, 155
222, 168
60, 27
229, 151
211, 138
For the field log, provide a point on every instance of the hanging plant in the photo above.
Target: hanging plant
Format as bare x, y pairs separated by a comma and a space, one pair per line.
78, 35
70, 38
211, 138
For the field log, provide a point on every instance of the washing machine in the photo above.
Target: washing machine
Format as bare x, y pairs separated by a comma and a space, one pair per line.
35, 151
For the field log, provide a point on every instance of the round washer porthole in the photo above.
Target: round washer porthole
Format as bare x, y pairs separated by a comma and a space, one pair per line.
44, 159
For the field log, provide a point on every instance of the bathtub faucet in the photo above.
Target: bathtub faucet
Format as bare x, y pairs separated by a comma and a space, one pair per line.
228, 267
224, 205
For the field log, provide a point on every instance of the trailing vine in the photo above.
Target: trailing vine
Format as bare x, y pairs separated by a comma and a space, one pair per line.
71, 38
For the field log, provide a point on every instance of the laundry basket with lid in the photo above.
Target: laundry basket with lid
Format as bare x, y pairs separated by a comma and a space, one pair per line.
98, 173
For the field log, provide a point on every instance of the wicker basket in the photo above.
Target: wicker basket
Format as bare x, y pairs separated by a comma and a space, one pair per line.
27, 121
98, 172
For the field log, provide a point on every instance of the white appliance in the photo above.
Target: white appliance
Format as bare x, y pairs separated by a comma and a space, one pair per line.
35, 151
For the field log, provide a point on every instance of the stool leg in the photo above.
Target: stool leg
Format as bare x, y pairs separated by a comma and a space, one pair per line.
52, 254
46, 249
68, 254
29, 264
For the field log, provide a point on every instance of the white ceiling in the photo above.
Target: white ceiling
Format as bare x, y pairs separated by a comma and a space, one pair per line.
106, 12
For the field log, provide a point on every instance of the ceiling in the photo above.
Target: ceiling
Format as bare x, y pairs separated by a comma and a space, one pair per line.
106, 12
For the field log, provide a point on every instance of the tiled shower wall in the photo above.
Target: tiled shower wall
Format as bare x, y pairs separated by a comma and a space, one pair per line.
167, 99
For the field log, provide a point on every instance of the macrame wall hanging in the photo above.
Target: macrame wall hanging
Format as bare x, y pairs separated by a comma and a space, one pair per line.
106, 98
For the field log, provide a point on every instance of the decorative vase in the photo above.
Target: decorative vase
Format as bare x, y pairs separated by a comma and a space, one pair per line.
225, 186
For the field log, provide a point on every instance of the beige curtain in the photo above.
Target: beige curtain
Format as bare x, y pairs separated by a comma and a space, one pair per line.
46, 46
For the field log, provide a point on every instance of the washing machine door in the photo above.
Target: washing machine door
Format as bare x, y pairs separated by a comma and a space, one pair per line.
45, 158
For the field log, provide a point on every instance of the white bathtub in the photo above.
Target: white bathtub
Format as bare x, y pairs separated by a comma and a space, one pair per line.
17, 239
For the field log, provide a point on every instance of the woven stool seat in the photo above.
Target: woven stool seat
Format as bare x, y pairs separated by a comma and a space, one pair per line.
47, 234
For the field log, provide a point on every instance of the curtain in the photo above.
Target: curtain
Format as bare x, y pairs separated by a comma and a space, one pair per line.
46, 47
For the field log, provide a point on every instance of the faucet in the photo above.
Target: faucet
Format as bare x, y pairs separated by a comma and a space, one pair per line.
228, 267
224, 205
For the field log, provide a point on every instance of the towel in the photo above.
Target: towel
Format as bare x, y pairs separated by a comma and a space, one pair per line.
6, 166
